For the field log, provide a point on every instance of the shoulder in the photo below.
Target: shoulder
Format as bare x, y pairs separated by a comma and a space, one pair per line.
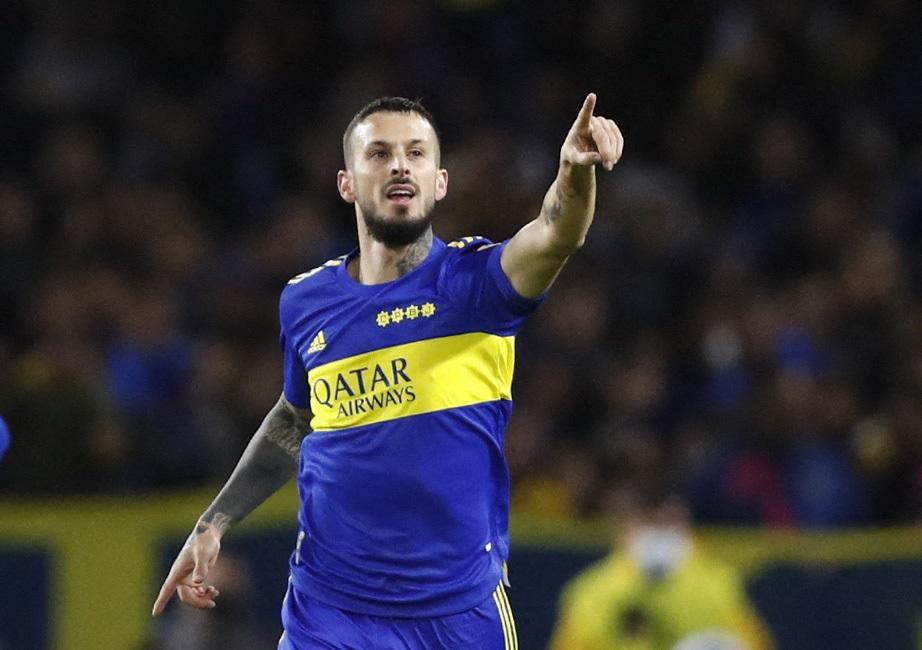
316, 271
472, 244
720, 575
589, 583
306, 284
469, 253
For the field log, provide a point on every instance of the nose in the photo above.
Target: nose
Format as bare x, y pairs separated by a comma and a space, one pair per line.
399, 165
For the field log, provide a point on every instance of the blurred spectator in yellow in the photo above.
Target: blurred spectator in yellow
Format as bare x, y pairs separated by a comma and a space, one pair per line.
656, 590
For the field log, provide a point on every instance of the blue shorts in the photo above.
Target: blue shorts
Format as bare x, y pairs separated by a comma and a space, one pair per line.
310, 624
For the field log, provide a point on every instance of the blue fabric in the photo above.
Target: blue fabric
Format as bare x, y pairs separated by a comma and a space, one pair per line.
825, 492
409, 516
4, 438
310, 624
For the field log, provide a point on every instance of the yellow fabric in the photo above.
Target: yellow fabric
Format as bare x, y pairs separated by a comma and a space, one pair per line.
510, 637
700, 595
542, 496
411, 379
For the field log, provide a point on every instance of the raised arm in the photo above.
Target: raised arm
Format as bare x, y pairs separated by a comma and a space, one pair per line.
534, 256
268, 462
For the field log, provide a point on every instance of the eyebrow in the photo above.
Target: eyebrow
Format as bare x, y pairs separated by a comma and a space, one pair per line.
382, 143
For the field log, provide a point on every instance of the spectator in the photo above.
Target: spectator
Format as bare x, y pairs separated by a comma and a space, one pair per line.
4, 438
657, 587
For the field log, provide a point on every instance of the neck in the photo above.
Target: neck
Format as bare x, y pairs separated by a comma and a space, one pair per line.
377, 263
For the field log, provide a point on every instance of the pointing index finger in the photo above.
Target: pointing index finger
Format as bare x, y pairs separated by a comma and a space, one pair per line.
166, 593
585, 113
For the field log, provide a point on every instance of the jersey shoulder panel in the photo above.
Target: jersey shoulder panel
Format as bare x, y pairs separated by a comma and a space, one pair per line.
319, 276
311, 286
472, 244
317, 270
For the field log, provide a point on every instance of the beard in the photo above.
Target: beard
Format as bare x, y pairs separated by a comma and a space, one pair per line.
395, 233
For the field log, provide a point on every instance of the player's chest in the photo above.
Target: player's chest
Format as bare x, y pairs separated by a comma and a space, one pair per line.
392, 358
347, 328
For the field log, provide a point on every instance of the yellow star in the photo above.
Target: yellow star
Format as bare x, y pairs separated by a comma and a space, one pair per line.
396, 315
428, 309
383, 319
412, 312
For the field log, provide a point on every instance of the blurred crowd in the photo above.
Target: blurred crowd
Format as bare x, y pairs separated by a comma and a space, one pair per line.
746, 317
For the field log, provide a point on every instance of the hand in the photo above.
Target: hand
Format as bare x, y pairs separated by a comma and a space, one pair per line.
592, 139
189, 571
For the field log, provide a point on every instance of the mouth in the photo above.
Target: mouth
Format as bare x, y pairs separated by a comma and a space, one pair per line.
401, 193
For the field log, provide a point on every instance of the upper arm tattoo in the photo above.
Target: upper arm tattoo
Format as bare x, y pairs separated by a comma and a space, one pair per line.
287, 426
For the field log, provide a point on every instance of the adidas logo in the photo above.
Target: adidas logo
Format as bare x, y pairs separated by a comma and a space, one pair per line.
318, 344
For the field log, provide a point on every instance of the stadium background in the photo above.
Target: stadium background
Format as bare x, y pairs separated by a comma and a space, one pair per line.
745, 318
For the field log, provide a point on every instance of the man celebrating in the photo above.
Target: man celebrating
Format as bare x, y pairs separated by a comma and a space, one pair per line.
398, 361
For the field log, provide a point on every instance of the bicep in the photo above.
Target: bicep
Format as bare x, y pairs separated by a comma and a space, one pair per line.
531, 261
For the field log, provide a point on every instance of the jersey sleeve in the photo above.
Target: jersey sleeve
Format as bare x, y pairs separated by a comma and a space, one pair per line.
475, 281
294, 376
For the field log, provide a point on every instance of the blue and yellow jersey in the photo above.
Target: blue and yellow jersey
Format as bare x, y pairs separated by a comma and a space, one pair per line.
403, 482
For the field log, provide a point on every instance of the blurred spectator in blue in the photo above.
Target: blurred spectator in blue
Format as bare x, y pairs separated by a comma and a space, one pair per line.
4, 438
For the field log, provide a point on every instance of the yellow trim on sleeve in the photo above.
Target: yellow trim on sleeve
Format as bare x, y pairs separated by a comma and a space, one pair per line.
412, 379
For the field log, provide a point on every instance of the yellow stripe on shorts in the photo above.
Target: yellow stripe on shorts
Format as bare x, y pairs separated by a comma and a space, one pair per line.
510, 638
515, 635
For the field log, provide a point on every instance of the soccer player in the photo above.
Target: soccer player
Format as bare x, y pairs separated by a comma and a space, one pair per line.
398, 362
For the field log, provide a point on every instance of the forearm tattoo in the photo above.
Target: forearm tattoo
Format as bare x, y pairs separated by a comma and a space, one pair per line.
217, 521
268, 462
551, 208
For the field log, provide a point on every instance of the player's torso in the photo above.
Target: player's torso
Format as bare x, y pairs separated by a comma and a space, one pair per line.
403, 483
400, 350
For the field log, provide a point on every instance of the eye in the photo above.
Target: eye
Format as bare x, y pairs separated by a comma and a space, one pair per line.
416, 153
380, 154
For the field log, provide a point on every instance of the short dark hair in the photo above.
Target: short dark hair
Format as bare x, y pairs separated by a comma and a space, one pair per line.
388, 105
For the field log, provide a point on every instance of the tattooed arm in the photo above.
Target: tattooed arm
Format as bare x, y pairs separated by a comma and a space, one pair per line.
533, 258
268, 462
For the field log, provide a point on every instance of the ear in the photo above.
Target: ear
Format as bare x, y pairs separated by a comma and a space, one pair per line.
344, 184
441, 184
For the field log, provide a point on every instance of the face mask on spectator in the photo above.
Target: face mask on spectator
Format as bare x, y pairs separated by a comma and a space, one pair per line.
659, 550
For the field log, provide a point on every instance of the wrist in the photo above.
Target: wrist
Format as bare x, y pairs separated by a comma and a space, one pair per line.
214, 525
572, 178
